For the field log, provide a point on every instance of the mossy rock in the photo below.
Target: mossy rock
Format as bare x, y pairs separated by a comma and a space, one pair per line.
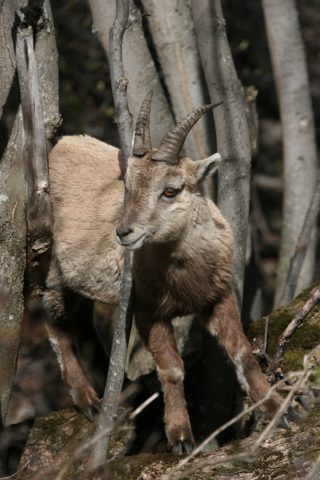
303, 340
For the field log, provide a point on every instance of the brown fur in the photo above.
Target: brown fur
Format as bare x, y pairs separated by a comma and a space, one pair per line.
182, 263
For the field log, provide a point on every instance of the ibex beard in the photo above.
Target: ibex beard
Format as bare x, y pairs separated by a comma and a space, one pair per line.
182, 258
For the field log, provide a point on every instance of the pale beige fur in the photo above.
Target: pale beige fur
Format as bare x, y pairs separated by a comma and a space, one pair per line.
182, 263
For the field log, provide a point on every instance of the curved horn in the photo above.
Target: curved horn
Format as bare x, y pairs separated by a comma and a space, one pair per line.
142, 139
172, 143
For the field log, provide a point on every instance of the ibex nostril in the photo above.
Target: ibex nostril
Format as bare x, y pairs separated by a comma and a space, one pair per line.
123, 231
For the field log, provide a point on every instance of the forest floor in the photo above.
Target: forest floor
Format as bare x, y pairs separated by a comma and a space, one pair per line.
55, 441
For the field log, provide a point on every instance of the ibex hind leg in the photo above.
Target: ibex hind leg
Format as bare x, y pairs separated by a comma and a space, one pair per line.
159, 339
224, 323
61, 338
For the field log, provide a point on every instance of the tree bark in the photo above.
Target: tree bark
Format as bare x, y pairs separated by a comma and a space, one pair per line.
301, 248
140, 69
173, 33
12, 184
233, 193
111, 396
289, 64
38, 204
231, 127
12, 202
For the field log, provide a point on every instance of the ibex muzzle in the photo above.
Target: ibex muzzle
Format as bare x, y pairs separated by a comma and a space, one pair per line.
181, 264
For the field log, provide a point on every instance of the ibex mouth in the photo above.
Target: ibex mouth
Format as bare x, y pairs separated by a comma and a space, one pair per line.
135, 244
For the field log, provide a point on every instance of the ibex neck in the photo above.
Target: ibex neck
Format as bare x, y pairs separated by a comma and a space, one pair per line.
189, 235
183, 276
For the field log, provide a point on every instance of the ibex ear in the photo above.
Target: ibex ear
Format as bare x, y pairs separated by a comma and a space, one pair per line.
207, 166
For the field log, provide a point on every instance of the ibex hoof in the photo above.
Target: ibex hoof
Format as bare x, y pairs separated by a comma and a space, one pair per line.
91, 411
303, 402
182, 448
283, 422
86, 399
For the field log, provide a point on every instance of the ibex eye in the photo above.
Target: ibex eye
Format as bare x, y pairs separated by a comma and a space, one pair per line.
170, 192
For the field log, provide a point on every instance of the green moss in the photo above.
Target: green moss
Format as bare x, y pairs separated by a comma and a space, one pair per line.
302, 341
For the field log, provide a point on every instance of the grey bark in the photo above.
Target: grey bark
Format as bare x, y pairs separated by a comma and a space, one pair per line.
12, 201
289, 64
233, 195
111, 396
39, 207
173, 33
12, 185
140, 69
301, 248
231, 127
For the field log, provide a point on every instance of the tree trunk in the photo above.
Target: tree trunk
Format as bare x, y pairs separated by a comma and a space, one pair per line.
233, 193
112, 392
12, 202
173, 33
292, 84
12, 184
140, 69
231, 127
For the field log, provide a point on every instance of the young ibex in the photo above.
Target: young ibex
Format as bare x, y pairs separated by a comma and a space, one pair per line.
181, 261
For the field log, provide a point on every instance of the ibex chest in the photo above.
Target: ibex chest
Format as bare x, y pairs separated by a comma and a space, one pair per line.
178, 285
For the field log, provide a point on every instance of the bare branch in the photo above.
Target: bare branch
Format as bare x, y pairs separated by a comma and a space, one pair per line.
250, 97
297, 321
223, 427
303, 243
106, 419
86, 445
248, 454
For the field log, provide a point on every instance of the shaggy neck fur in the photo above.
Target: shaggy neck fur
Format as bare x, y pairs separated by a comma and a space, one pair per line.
190, 274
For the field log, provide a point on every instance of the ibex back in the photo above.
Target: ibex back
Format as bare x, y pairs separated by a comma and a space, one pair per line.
181, 262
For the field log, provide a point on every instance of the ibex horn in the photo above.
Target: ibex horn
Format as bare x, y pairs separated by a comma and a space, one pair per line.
142, 139
172, 143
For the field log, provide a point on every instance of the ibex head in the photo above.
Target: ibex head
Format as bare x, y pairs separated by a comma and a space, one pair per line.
161, 184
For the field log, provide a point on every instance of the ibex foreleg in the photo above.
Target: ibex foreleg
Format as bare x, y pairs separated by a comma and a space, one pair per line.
224, 323
159, 340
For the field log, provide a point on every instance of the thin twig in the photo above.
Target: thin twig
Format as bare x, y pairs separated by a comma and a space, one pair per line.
14, 475
143, 405
106, 419
302, 245
95, 439
266, 331
223, 427
299, 318
249, 454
